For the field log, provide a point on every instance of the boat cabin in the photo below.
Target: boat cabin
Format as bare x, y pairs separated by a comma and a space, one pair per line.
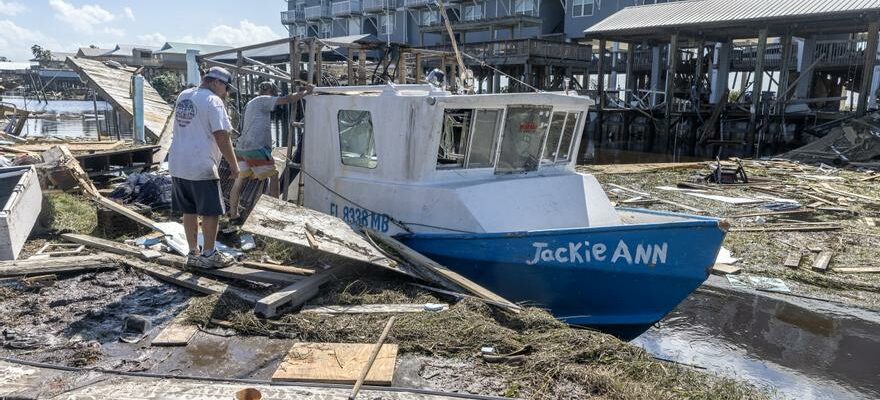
413, 158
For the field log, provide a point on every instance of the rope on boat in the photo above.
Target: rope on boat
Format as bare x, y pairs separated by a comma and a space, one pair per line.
403, 225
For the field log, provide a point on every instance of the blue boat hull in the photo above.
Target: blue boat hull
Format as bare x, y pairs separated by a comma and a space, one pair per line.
618, 279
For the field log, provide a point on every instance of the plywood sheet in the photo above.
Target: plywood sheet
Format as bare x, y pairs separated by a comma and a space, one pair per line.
175, 334
336, 363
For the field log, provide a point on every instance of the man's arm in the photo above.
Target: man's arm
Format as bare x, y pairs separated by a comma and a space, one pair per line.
292, 98
225, 145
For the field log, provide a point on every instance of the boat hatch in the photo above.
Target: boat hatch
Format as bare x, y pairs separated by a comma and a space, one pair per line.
517, 138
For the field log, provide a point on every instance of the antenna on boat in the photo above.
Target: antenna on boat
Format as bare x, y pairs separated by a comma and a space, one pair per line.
465, 75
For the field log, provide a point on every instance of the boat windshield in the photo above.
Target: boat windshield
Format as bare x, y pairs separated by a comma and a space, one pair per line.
356, 143
469, 138
522, 141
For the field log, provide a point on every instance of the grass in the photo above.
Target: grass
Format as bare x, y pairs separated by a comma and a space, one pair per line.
71, 214
564, 363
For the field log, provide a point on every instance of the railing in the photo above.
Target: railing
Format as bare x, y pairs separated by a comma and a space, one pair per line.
348, 7
747, 56
525, 7
418, 3
841, 52
379, 5
524, 47
317, 12
292, 16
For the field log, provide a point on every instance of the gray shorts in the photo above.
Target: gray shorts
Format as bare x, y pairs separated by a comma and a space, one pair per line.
202, 198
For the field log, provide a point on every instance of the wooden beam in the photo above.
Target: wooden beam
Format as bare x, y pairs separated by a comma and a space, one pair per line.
177, 333
861, 270
377, 347
757, 87
176, 261
362, 66
418, 71
371, 309
670, 79
55, 265
185, 279
279, 268
784, 72
822, 261
294, 295
311, 62
319, 63
349, 67
868, 67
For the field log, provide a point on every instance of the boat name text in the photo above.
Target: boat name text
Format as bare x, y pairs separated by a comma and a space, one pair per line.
584, 252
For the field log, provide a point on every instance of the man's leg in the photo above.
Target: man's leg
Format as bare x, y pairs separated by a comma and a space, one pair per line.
191, 228
209, 232
234, 196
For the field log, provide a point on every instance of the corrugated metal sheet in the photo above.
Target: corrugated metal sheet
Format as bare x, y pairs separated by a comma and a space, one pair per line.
706, 12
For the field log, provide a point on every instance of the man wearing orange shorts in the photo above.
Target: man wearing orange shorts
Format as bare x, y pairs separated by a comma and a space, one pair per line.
254, 148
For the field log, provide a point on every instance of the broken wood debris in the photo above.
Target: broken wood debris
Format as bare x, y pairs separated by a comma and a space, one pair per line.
57, 265
725, 269
858, 270
336, 363
375, 309
791, 227
822, 261
177, 333
793, 260
373, 354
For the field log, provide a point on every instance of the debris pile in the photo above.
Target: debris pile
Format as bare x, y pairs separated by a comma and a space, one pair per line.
854, 142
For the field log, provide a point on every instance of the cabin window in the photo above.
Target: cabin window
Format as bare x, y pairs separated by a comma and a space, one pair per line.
525, 128
553, 137
567, 139
356, 143
484, 141
454, 138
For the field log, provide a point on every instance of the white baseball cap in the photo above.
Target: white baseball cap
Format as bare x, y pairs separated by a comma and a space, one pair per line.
220, 74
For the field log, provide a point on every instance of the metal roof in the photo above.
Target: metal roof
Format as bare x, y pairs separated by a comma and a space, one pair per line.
709, 14
181, 48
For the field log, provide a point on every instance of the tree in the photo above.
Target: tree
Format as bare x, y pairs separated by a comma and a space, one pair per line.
41, 55
167, 84
4, 59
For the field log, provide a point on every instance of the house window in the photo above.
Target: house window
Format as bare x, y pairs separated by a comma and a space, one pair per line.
472, 12
524, 7
469, 138
356, 143
525, 128
582, 8
326, 29
386, 24
429, 17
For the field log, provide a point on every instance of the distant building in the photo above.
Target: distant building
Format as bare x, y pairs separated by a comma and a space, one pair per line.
132, 54
172, 55
91, 52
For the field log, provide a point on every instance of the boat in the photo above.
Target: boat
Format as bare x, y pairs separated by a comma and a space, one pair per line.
486, 185
22, 200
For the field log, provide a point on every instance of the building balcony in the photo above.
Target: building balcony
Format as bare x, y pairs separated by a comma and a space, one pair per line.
313, 13
291, 17
426, 3
377, 6
345, 8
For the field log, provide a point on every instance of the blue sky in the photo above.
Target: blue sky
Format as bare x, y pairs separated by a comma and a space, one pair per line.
65, 25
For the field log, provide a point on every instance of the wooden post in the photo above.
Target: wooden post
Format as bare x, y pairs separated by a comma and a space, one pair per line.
401, 68
362, 66
311, 64
319, 62
868, 69
630, 80
756, 88
600, 78
784, 73
698, 72
296, 59
418, 71
349, 67
670, 79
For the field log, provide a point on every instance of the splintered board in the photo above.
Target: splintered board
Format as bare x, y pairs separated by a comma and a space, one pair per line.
175, 334
336, 363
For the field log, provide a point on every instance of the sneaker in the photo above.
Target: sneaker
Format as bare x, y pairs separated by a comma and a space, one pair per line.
192, 259
213, 261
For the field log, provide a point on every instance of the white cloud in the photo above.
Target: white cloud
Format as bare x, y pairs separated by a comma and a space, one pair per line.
129, 13
116, 32
11, 8
82, 19
152, 39
16, 41
245, 33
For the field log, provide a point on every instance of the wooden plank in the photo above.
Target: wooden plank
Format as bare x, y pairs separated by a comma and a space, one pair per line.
56, 265
822, 261
294, 295
371, 309
861, 270
190, 281
280, 220
793, 260
771, 213
177, 333
175, 261
725, 269
445, 274
336, 363
279, 268
826, 187
789, 228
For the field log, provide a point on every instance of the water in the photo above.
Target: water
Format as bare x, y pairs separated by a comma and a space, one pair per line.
787, 347
63, 118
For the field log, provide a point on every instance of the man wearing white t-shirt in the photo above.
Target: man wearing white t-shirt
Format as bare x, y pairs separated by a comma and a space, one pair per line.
201, 137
